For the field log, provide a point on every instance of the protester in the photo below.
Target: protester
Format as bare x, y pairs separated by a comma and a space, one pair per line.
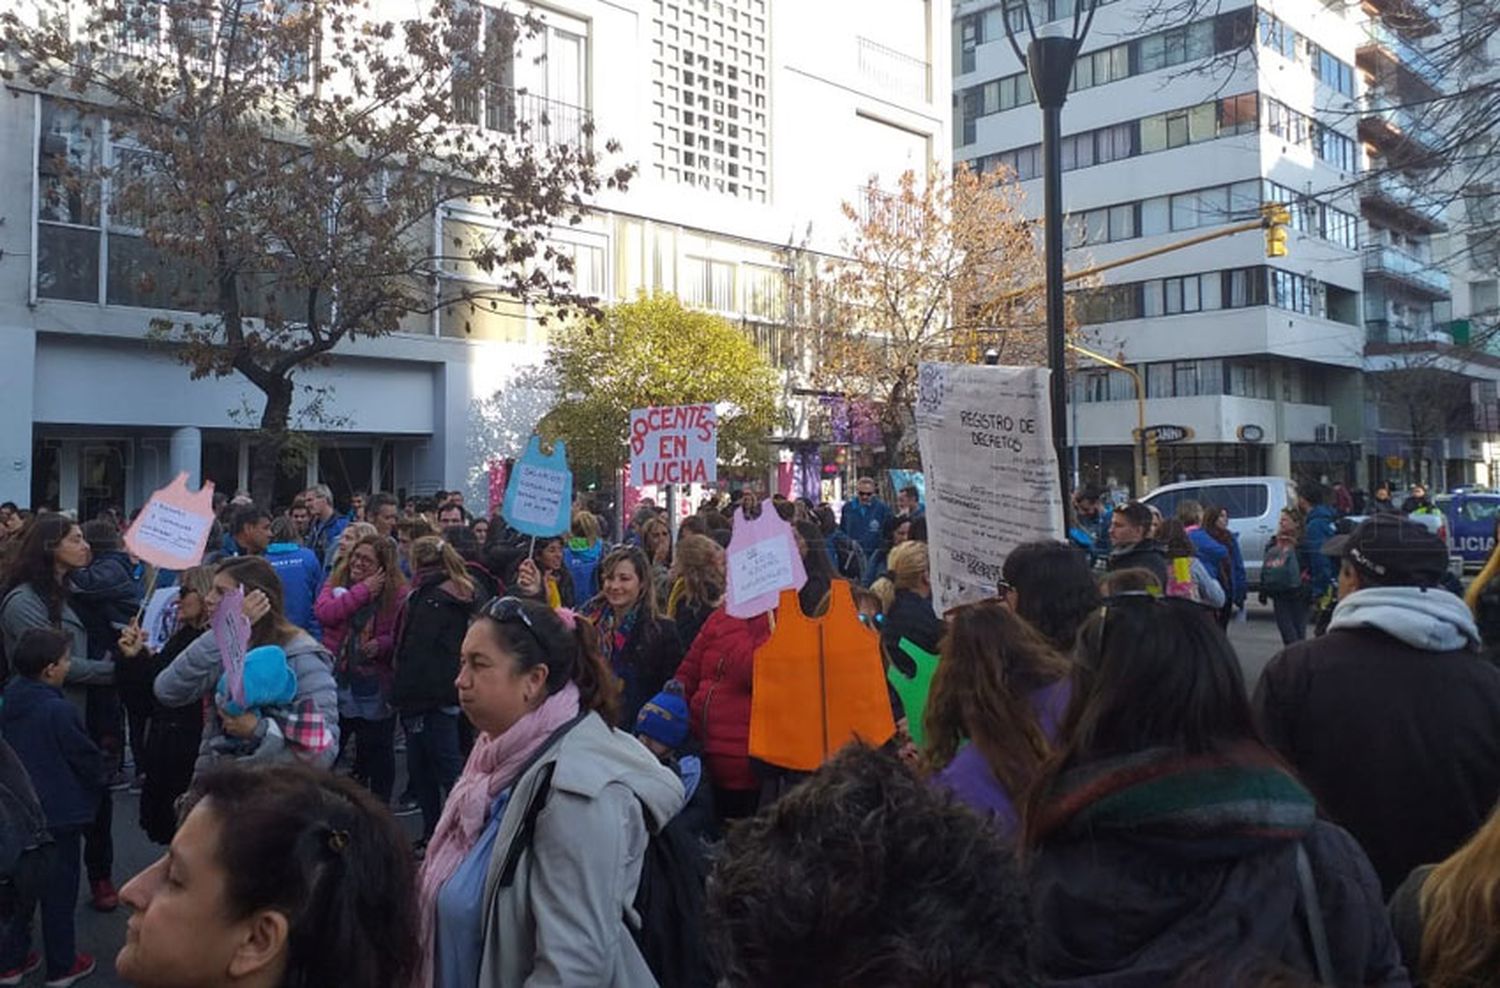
641, 648
1284, 579
25, 854
301, 575
583, 553
863, 875
557, 581
1131, 546
172, 734
1447, 916
554, 805
1165, 835
480, 526
383, 513
433, 623
698, 581
1383, 505
910, 614
106, 597
249, 532
909, 502
864, 516
310, 732
1187, 577
348, 538
327, 524
848, 557
813, 595
301, 519
895, 531
1392, 718
67, 769
38, 594
717, 676
997, 699
1317, 527
663, 727
280, 875
1093, 519
1050, 585
656, 540
1417, 502
409, 531
357, 502
360, 609
1230, 570
487, 583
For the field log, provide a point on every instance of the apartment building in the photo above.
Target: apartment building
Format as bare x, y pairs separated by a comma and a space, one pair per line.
1175, 128
751, 121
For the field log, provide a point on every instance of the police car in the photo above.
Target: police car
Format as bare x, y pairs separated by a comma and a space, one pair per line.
1471, 517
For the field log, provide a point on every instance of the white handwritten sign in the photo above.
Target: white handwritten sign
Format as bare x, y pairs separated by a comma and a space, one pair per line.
540, 495
172, 528
991, 472
678, 444
761, 561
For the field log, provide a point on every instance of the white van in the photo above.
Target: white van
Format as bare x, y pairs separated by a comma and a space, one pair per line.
1254, 505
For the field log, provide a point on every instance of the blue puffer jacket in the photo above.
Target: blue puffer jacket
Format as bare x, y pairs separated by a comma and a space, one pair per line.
46, 731
301, 576
1317, 530
1217, 556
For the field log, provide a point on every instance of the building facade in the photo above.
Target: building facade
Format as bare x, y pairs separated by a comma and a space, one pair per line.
1175, 128
750, 121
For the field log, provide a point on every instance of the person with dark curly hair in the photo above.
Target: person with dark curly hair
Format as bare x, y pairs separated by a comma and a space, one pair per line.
1052, 588
864, 875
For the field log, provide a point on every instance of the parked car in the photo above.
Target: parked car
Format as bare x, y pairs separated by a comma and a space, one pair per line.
1471, 523
1254, 504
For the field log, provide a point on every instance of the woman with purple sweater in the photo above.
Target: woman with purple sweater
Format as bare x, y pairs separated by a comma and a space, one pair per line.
997, 699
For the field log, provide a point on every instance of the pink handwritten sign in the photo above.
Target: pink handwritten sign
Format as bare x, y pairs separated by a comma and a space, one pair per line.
762, 560
172, 529
231, 631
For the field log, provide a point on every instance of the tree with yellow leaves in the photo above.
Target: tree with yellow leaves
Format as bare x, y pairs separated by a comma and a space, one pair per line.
942, 268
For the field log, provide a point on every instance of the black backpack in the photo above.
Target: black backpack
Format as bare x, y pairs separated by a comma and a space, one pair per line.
669, 899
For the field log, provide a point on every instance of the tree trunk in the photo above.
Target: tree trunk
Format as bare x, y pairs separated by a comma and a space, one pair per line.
265, 463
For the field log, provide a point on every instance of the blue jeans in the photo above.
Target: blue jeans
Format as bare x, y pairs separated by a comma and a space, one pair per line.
432, 761
50, 876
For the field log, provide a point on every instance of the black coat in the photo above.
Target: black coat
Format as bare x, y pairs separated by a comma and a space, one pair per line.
1117, 911
911, 617
434, 621
690, 618
651, 657
1400, 746
173, 735
1147, 555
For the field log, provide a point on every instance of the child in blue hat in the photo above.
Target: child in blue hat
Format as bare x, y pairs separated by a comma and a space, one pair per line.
269, 688
663, 727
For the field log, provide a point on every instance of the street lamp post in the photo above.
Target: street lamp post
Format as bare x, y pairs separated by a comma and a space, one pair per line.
1049, 62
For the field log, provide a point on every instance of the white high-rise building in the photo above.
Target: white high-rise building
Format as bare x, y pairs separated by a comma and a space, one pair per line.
1173, 129
750, 120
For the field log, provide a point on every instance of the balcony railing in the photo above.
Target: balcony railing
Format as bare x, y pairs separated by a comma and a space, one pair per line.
526, 115
1411, 58
1414, 126
1414, 272
897, 74
1399, 192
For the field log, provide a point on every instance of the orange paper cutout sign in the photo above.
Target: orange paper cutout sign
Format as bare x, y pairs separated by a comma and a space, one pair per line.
818, 685
172, 529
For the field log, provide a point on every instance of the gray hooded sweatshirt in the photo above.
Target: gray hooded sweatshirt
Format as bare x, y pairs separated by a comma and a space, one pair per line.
195, 672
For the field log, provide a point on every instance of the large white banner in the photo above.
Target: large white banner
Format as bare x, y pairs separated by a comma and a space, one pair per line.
992, 481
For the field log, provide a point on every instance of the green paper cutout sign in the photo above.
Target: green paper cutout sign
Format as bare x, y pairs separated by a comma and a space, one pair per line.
913, 691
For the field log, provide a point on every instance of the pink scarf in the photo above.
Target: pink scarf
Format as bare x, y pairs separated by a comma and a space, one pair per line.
493, 766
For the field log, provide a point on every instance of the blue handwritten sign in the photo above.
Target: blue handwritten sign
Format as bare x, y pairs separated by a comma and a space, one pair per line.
539, 497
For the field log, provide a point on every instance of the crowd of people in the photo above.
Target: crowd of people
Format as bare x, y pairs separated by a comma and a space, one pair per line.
1088, 795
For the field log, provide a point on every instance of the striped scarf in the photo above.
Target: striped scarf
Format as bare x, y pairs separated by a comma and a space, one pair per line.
1161, 792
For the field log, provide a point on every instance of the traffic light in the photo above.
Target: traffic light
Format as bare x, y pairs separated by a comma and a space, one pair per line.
1275, 217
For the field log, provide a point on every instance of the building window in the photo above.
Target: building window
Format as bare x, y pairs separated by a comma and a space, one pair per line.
1238, 114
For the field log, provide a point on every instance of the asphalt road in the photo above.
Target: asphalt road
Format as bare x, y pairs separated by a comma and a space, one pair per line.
1255, 640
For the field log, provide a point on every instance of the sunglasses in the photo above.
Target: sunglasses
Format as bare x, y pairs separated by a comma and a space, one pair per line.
512, 610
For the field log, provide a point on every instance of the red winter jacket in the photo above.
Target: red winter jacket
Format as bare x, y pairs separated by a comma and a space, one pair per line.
716, 677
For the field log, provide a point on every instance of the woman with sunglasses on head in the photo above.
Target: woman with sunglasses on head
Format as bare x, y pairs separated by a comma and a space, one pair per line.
535, 864
997, 699
359, 609
1165, 834
640, 647
172, 733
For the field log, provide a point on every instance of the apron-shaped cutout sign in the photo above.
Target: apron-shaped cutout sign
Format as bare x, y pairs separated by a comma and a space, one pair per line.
818, 685
539, 497
761, 561
172, 529
914, 690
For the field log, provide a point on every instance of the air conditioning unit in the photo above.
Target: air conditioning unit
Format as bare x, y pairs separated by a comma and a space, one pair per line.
1326, 433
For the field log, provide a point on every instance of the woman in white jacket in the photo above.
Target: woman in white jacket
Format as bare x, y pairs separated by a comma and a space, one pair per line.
501, 909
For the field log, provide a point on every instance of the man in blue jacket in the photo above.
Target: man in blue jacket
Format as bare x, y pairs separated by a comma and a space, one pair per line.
301, 575
327, 523
865, 516
1317, 528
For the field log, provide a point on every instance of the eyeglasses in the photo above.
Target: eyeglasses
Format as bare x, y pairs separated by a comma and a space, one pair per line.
507, 610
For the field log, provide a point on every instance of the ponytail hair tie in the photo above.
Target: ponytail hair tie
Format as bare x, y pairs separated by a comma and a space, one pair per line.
568, 617
338, 840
